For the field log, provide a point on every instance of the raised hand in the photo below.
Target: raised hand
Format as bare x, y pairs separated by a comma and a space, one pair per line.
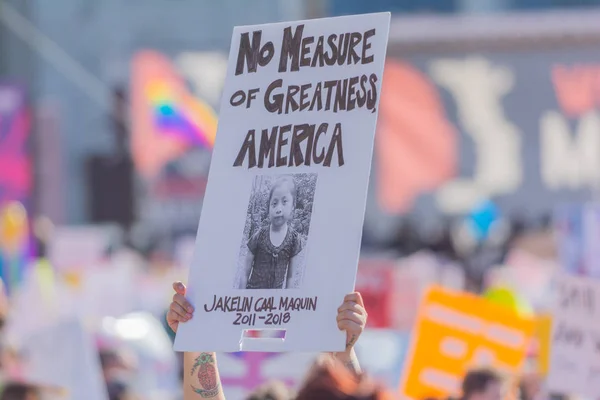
352, 318
180, 309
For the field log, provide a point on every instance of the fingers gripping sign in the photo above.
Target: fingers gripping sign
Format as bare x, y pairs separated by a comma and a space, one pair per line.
352, 318
180, 309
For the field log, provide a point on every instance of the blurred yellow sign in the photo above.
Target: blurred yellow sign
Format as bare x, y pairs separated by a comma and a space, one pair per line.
13, 225
457, 331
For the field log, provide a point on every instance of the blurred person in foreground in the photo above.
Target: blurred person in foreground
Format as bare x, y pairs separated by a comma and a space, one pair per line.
20, 391
329, 380
273, 390
530, 387
482, 384
329, 377
118, 390
117, 370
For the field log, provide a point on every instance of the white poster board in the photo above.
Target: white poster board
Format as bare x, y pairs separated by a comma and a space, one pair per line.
279, 236
575, 345
79, 247
64, 356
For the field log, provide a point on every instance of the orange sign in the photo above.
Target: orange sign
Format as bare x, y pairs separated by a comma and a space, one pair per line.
457, 331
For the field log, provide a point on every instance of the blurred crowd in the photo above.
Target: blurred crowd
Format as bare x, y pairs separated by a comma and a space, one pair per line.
139, 281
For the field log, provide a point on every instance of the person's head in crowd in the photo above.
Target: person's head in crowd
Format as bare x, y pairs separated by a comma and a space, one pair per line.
115, 364
530, 386
273, 390
329, 379
20, 391
482, 384
119, 390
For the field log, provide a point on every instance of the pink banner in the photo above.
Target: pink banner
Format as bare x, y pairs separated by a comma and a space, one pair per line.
15, 160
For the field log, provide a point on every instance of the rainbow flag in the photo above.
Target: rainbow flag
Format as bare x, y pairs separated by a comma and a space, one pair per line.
180, 115
167, 120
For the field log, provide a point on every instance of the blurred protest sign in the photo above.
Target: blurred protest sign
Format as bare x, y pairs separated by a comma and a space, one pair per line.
80, 247
382, 354
53, 300
575, 343
157, 367
318, 109
118, 279
392, 289
241, 373
64, 356
456, 331
429, 117
375, 282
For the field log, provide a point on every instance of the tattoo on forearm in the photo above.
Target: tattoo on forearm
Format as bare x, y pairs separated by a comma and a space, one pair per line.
204, 367
351, 341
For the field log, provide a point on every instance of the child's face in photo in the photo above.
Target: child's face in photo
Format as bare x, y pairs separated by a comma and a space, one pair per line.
281, 206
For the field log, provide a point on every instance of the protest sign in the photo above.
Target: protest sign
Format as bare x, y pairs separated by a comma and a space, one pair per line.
157, 367
575, 342
456, 331
279, 236
79, 247
375, 282
382, 354
64, 356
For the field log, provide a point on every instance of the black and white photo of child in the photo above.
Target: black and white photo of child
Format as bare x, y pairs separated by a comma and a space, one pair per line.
272, 253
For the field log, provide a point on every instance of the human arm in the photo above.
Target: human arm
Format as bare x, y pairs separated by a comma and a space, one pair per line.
351, 318
201, 378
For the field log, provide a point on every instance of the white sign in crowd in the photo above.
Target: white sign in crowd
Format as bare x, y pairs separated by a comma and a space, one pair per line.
575, 346
279, 236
